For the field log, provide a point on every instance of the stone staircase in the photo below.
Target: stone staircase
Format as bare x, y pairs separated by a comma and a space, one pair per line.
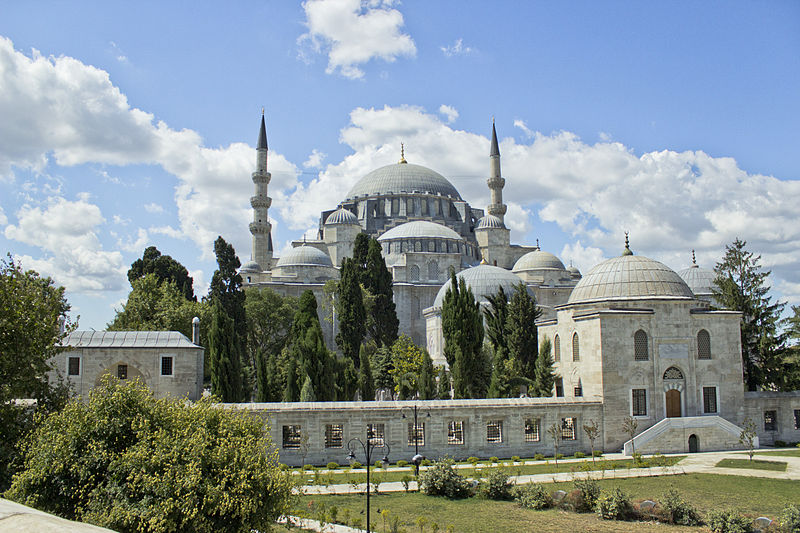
672, 435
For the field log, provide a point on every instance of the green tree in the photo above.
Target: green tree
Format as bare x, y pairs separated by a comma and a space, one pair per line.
383, 323
307, 348
307, 392
496, 318
381, 362
291, 392
366, 385
352, 317
545, 376
521, 332
426, 385
740, 285
31, 310
462, 328
129, 462
165, 269
406, 367
360, 250
224, 350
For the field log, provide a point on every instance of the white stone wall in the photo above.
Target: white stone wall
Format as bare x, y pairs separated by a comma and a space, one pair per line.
786, 406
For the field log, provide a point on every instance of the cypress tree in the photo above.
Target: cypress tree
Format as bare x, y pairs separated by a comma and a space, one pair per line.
291, 393
307, 392
352, 317
462, 328
545, 377
308, 351
365, 377
377, 280
521, 332
226, 372
360, 250
426, 384
496, 317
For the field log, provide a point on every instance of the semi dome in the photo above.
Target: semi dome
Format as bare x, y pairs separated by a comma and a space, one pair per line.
490, 221
250, 266
538, 260
629, 277
484, 281
305, 256
403, 177
420, 229
699, 280
342, 216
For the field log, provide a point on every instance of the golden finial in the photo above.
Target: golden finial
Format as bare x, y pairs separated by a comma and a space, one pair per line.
402, 154
262, 110
627, 250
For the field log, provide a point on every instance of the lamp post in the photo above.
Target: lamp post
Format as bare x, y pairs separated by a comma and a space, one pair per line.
417, 459
367, 447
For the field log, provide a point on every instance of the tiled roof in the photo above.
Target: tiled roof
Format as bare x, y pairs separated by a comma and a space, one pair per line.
127, 339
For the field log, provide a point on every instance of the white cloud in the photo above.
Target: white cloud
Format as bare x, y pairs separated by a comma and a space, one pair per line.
519, 123
135, 245
199, 283
3, 218
456, 49
352, 33
120, 220
153, 208
450, 113
315, 159
583, 257
67, 232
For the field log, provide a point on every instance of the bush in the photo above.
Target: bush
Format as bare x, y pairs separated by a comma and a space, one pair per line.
355, 464
378, 464
614, 506
532, 496
538, 457
426, 462
790, 518
728, 522
443, 480
515, 458
473, 460
678, 511
559, 456
308, 468
494, 459
781, 444
597, 453
401, 463
589, 493
579, 455
496, 486
405, 481
332, 466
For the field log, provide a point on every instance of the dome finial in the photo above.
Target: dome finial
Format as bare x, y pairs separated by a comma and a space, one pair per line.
627, 250
694, 259
402, 154
537, 244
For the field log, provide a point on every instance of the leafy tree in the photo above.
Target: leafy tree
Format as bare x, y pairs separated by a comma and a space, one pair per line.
748, 436
31, 309
383, 323
129, 462
741, 285
352, 317
165, 269
224, 351
307, 349
592, 431
366, 385
462, 328
545, 377
406, 367
268, 378
521, 332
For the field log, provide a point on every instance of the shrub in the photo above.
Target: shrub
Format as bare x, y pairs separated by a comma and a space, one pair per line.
473, 460
356, 464
515, 458
443, 480
781, 444
614, 506
559, 456
589, 492
332, 466
597, 453
496, 486
401, 463
405, 481
378, 464
728, 522
308, 468
678, 511
538, 457
426, 462
532, 496
579, 455
494, 459
790, 518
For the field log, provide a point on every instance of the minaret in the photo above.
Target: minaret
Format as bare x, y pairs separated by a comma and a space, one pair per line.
496, 181
260, 226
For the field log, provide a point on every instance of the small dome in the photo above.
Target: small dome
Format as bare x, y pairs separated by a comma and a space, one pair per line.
629, 277
538, 260
420, 229
342, 216
699, 280
490, 221
574, 272
250, 266
484, 281
305, 256
403, 177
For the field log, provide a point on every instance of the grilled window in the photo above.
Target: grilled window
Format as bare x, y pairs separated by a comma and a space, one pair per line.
770, 420
559, 387
703, 345
292, 437
531, 430
333, 435
639, 402
166, 365
74, 366
416, 434
797, 419
709, 399
557, 349
640, 346
413, 273
568, 428
455, 432
576, 348
375, 434
494, 431
122, 371
578, 390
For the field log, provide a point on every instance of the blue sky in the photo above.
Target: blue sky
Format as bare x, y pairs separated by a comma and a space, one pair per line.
125, 125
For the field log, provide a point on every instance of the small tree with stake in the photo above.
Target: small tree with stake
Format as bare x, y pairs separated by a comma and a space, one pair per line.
629, 426
555, 433
748, 437
592, 431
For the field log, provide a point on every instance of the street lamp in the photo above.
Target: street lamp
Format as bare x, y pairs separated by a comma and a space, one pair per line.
417, 459
367, 447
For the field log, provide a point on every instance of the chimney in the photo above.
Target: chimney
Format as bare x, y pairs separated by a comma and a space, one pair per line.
196, 331
62, 325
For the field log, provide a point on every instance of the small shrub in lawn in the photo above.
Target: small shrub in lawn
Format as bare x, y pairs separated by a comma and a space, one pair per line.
559, 456
781, 444
597, 453
378, 464
614, 505
579, 455
730, 521
443, 480
538, 457
308, 468
405, 481
532, 496
496, 486
401, 463
356, 464
426, 462
473, 460
678, 511
515, 458
790, 518
494, 460
589, 492
332, 466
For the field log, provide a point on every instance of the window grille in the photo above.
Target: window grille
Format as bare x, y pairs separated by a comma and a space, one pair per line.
576, 349
494, 431
703, 345
568, 428
557, 349
709, 399
531, 430
166, 365
770, 420
122, 371
433, 270
673, 373
797, 419
455, 432
639, 400
413, 273
291, 437
375, 434
74, 366
333, 435
416, 435
640, 346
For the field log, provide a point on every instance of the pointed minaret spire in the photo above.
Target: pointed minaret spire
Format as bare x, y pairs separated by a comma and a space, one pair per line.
260, 227
496, 182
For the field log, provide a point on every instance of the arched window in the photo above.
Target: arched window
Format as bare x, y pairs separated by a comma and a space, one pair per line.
640, 346
433, 270
431, 246
413, 273
703, 345
576, 348
673, 373
417, 246
410, 207
557, 349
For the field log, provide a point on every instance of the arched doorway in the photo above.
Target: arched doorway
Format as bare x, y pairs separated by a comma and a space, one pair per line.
673, 403
694, 445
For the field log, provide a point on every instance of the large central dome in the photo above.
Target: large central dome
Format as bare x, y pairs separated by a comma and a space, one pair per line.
403, 178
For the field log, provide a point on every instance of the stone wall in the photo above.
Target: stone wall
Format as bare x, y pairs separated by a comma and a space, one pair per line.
785, 406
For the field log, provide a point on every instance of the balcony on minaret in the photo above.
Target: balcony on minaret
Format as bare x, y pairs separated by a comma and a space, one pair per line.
260, 227
498, 210
260, 202
496, 182
261, 177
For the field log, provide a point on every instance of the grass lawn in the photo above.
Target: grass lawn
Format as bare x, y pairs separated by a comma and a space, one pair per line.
755, 496
782, 453
755, 464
